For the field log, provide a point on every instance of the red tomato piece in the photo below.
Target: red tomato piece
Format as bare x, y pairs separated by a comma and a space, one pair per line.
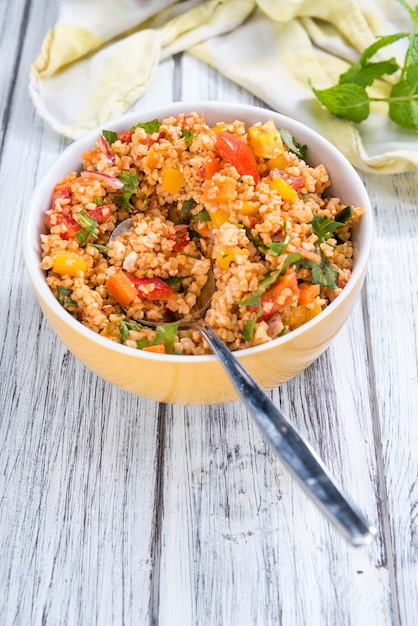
72, 227
126, 136
152, 288
283, 292
60, 192
238, 153
181, 238
209, 169
101, 213
296, 182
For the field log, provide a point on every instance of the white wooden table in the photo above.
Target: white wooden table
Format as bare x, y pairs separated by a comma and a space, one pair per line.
115, 510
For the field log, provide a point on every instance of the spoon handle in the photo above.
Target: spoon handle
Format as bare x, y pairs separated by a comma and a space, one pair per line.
295, 453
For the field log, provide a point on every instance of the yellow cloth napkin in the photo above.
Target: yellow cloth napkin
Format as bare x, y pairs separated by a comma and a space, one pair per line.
99, 59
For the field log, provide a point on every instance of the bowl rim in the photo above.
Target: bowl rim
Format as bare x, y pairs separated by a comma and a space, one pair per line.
31, 249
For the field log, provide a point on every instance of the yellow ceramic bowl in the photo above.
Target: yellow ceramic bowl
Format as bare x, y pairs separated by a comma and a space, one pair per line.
200, 379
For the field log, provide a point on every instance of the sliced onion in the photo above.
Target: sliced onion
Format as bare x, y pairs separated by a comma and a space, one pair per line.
105, 179
105, 148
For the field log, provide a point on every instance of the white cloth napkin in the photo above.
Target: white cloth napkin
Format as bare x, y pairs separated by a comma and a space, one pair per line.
99, 58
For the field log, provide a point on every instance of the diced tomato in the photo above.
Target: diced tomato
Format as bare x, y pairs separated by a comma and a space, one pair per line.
152, 288
148, 141
209, 169
126, 136
307, 293
296, 182
60, 192
284, 291
238, 153
91, 155
101, 213
71, 226
181, 238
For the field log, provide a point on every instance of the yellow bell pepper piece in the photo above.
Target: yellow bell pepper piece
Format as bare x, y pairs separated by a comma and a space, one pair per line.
226, 255
284, 189
172, 180
249, 208
151, 160
219, 128
278, 162
69, 263
265, 140
219, 217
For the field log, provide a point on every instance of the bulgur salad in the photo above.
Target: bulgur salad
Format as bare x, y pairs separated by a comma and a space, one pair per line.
240, 202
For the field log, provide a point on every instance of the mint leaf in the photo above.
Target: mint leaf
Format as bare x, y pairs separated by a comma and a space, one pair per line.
292, 144
166, 334
347, 100
110, 136
150, 127
403, 105
202, 216
322, 273
381, 42
366, 74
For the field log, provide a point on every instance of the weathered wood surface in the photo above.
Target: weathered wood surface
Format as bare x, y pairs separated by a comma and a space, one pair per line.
116, 510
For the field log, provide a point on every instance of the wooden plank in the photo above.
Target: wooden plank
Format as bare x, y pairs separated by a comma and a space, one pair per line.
241, 544
391, 307
79, 457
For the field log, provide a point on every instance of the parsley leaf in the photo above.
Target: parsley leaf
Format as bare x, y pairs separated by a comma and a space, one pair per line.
292, 144
64, 297
99, 201
275, 248
150, 127
202, 216
130, 187
101, 248
110, 136
249, 329
323, 227
344, 215
125, 326
88, 227
187, 206
188, 137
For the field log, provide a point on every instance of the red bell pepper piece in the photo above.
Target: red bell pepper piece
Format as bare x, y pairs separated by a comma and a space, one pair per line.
152, 288
238, 153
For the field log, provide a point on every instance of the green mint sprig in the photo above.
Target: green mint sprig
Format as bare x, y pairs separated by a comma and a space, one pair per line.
350, 100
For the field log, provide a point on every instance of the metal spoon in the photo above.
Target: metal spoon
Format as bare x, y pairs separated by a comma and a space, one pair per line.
295, 453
